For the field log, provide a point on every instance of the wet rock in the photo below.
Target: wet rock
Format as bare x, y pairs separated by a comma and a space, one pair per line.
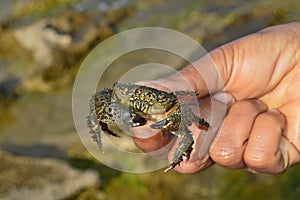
48, 179
8, 88
57, 43
9, 91
40, 40
43, 49
37, 150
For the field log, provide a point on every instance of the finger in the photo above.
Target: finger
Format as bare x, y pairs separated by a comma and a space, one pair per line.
264, 151
152, 141
229, 148
292, 113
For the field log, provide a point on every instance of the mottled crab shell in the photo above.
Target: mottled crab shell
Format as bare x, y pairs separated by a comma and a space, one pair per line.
147, 100
104, 111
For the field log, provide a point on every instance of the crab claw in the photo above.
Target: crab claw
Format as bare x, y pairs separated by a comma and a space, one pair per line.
182, 151
160, 124
105, 128
171, 166
202, 124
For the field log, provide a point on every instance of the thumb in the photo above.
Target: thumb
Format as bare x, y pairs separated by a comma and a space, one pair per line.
204, 76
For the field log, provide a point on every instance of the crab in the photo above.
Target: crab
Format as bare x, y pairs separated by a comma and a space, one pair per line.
134, 104
105, 112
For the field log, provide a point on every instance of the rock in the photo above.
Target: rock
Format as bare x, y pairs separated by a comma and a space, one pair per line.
47, 179
8, 88
44, 50
9, 91
40, 40
57, 43
36, 151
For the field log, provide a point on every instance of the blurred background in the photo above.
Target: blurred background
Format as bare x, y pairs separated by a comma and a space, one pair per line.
42, 44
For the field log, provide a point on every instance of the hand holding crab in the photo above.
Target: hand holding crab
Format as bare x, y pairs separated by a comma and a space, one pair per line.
261, 73
133, 104
260, 132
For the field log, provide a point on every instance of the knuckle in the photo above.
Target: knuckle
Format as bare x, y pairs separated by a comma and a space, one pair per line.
258, 160
228, 157
269, 118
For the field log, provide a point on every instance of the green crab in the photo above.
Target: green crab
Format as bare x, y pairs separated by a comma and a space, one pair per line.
104, 112
134, 104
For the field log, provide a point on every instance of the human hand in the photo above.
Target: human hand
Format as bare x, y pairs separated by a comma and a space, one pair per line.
261, 75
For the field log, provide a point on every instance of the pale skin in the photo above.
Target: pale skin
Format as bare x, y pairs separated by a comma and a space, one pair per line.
261, 75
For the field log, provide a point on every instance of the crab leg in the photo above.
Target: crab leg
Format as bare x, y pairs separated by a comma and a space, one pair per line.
183, 149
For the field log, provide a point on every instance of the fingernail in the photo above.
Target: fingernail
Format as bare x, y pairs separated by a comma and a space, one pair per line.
258, 101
